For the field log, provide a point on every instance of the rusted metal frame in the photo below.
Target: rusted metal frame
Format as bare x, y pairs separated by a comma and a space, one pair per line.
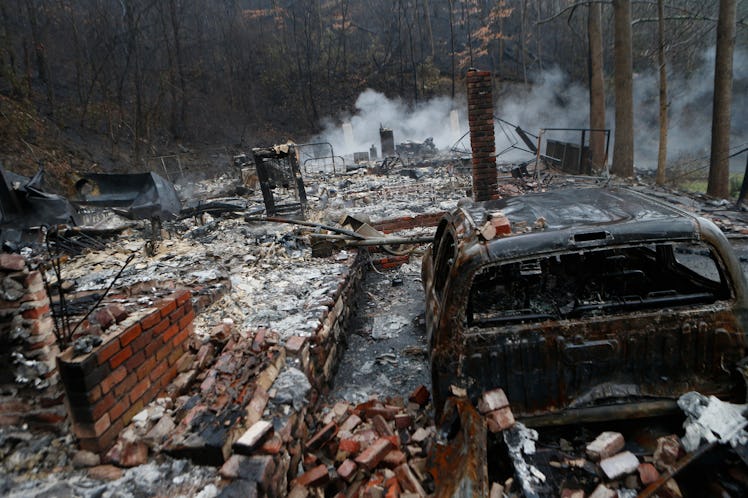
581, 146
334, 170
460, 465
332, 155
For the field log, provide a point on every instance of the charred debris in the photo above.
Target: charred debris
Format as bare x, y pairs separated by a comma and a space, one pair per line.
177, 338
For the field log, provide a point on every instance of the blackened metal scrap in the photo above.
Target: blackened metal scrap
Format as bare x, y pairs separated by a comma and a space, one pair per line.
139, 195
459, 466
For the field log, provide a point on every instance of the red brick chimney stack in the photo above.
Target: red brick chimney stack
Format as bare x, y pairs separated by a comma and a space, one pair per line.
480, 117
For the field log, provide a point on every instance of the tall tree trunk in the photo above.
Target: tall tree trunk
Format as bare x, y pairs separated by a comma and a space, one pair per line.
719, 164
623, 149
597, 87
452, 44
662, 150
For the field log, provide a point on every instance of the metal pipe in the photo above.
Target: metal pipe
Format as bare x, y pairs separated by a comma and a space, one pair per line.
643, 409
311, 224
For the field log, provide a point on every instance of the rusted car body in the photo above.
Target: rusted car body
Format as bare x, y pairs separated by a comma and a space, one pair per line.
602, 303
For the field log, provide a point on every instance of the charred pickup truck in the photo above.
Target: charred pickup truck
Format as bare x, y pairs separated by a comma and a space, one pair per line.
601, 303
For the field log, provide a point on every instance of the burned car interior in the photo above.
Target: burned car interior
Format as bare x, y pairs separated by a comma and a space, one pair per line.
600, 282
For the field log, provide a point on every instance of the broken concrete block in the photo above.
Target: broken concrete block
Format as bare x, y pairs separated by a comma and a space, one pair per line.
499, 420
619, 465
374, 454
602, 491
648, 473
317, 476
605, 445
250, 439
492, 400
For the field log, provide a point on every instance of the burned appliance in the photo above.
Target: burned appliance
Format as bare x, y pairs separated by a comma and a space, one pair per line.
605, 303
280, 180
135, 196
387, 142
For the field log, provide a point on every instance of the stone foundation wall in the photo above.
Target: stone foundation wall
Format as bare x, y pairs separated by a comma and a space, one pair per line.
26, 325
136, 361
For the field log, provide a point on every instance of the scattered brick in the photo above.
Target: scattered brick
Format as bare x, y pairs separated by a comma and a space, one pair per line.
605, 445
499, 420
492, 400
250, 439
374, 454
322, 436
318, 476
347, 470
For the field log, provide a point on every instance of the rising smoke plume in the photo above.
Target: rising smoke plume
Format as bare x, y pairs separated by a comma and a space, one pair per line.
553, 101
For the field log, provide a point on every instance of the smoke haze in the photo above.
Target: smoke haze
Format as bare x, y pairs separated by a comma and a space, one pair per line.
553, 101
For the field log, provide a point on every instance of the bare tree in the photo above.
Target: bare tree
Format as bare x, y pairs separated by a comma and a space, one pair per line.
719, 164
623, 149
662, 148
597, 86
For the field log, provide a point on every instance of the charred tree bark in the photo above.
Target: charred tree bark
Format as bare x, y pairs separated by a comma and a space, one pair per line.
623, 149
719, 164
662, 150
597, 87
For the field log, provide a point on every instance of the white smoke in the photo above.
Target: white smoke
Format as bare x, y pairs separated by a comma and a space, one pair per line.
408, 122
553, 101
690, 113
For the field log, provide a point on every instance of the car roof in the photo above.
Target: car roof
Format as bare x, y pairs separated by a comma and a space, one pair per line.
577, 207
573, 219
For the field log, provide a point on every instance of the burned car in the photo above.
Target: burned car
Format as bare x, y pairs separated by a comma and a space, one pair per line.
601, 303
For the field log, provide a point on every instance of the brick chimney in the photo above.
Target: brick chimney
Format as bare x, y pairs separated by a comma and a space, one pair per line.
480, 116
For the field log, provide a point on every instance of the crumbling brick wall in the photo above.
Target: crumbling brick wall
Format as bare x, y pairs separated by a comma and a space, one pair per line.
26, 325
482, 141
136, 361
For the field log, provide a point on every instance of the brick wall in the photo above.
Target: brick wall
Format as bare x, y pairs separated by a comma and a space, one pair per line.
136, 361
26, 324
480, 117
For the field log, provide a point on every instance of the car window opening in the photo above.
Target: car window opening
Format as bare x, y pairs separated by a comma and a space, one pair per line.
595, 282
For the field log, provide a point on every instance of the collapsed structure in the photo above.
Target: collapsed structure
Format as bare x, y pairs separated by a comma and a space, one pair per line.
200, 348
